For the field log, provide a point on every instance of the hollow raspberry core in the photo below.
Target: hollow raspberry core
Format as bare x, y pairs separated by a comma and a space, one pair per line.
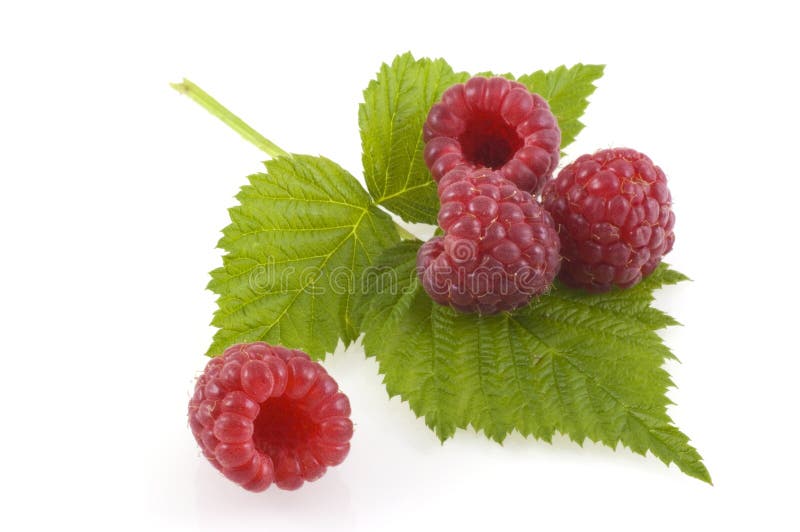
489, 141
495, 124
282, 425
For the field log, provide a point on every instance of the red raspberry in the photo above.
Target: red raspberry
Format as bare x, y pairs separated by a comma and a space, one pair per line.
493, 123
264, 413
500, 246
613, 209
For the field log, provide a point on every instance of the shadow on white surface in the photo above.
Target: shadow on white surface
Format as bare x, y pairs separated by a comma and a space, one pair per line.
318, 504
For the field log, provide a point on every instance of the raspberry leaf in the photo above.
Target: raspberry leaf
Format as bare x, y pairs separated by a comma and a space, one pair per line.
566, 90
395, 107
296, 248
588, 366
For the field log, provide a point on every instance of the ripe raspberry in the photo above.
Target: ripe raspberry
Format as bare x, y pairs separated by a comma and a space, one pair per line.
493, 123
264, 413
500, 246
613, 209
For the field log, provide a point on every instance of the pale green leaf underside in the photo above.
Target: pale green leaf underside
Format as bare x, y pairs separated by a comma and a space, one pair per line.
295, 252
588, 366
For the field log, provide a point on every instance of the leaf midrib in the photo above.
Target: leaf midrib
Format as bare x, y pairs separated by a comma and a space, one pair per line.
325, 259
302, 289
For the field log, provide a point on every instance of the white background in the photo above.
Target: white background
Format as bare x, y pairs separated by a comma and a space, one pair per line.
114, 189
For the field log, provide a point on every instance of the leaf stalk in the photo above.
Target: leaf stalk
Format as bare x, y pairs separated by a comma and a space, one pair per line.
207, 102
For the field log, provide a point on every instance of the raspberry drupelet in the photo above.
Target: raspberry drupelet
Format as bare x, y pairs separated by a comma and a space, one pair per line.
500, 247
264, 414
614, 216
493, 123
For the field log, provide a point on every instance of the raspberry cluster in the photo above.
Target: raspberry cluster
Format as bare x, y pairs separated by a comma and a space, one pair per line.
264, 414
493, 123
500, 246
613, 209
492, 145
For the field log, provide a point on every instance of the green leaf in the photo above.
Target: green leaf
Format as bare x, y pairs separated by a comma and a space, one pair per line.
566, 90
395, 107
588, 366
296, 250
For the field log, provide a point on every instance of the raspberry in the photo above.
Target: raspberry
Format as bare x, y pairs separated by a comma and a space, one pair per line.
613, 209
500, 246
493, 123
264, 413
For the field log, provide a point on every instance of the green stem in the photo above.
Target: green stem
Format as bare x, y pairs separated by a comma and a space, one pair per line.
255, 138
234, 122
